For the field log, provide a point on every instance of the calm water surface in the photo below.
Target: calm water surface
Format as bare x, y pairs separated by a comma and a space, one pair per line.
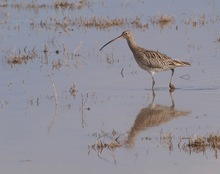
45, 129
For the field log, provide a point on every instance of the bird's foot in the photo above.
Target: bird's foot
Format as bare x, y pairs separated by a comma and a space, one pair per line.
172, 90
172, 87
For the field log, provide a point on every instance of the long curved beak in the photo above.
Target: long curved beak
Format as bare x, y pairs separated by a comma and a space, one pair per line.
111, 41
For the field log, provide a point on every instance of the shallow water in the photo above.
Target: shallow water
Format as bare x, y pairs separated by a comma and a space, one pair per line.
45, 129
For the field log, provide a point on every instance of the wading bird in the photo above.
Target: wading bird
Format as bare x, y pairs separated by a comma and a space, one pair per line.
151, 61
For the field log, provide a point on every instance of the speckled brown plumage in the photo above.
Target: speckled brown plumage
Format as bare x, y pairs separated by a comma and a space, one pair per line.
151, 61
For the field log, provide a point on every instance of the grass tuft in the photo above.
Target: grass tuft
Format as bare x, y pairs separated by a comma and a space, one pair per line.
21, 57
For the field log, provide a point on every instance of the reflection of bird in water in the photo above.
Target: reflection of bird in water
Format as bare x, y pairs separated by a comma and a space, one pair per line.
151, 116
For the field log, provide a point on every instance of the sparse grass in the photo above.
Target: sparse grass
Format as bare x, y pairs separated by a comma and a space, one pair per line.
102, 23
91, 22
100, 145
98, 22
21, 57
95, 21
214, 141
81, 4
136, 23
33, 5
56, 64
73, 90
64, 5
202, 143
162, 20
106, 22
26, 5
198, 21
167, 138
202, 20
84, 108
32, 101
106, 141
197, 144
110, 59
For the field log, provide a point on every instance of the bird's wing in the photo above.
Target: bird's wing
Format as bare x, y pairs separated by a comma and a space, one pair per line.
156, 59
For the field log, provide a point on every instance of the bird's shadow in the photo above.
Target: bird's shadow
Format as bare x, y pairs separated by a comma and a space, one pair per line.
152, 116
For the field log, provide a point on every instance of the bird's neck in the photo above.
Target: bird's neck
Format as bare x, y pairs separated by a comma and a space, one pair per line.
132, 43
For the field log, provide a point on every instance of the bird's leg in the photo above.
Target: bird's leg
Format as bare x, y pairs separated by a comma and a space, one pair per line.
153, 82
171, 96
172, 87
153, 95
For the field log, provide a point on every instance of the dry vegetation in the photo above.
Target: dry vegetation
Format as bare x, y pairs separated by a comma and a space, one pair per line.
64, 5
162, 20
35, 5
57, 4
91, 22
56, 64
73, 90
97, 21
203, 143
108, 141
167, 139
100, 22
65, 57
21, 57
199, 21
198, 144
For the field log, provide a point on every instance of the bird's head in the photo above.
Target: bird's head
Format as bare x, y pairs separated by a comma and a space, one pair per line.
125, 34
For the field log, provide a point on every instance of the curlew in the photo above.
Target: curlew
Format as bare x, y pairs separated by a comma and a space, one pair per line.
151, 61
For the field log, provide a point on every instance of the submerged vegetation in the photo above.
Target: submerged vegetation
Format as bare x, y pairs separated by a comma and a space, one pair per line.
195, 144
202, 144
106, 141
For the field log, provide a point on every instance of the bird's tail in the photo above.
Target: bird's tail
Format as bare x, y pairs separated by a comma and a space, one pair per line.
181, 63
186, 63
